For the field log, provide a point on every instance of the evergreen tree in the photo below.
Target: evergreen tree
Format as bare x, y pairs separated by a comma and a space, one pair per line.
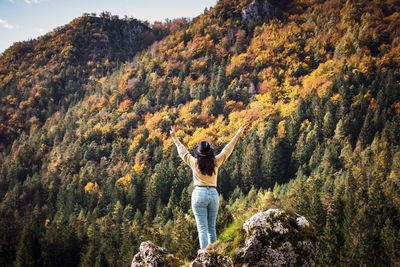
392, 183
390, 241
328, 125
271, 166
332, 238
60, 246
10, 225
220, 82
28, 249
367, 131
128, 248
316, 213
101, 259
251, 167
117, 213
185, 235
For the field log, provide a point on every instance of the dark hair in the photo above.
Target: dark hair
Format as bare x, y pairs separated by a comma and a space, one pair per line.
206, 165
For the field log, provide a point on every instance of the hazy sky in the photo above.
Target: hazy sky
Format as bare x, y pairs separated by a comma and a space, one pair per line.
21, 20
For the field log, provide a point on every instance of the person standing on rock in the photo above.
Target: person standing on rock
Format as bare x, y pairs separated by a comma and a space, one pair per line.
205, 199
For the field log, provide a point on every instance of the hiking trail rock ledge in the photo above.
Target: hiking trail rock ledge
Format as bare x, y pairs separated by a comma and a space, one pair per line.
273, 238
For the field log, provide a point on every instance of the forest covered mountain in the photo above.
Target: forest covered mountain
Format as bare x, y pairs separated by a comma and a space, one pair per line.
52, 72
88, 170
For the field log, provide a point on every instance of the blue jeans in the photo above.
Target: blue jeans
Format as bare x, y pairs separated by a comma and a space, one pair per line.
205, 204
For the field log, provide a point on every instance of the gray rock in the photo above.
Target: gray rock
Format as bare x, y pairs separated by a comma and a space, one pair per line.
153, 255
277, 238
258, 10
210, 258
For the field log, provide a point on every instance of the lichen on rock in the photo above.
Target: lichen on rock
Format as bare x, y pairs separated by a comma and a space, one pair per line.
152, 255
301, 221
211, 258
262, 222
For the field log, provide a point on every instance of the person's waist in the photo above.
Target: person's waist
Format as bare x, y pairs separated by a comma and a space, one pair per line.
211, 186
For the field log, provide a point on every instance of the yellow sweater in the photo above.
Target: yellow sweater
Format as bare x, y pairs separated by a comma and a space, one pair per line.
199, 178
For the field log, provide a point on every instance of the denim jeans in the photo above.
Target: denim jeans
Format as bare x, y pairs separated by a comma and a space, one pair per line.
205, 204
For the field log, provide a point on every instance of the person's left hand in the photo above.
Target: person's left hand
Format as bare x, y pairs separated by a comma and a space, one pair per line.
241, 129
172, 132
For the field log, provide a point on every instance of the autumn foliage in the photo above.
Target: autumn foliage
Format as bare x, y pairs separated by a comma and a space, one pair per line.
87, 159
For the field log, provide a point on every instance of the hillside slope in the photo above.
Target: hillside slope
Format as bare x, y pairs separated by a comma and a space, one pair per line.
41, 76
317, 80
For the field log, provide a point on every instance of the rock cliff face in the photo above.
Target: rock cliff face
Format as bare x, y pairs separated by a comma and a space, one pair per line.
273, 238
259, 10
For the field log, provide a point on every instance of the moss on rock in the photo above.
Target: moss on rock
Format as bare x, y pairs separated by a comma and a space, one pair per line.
275, 238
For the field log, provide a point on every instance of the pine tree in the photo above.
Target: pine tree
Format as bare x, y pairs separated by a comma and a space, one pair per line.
185, 236
220, 83
60, 246
228, 174
250, 168
332, 237
28, 250
101, 259
367, 131
390, 243
340, 132
271, 164
128, 213
392, 184
117, 213
316, 213
89, 256
10, 226
328, 125
214, 107
128, 248
379, 208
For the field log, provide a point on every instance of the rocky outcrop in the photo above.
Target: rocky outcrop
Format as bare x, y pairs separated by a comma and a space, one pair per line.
273, 238
210, 258
259, 10
155, 256
277, 238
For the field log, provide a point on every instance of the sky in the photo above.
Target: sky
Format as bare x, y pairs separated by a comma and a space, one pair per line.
22, 20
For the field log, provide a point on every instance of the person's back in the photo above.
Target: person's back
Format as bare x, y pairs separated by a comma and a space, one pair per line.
205, 199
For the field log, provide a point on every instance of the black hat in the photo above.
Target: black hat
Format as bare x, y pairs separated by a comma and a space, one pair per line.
204, 149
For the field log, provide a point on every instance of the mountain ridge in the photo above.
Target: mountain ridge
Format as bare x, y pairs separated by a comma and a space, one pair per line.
53, 64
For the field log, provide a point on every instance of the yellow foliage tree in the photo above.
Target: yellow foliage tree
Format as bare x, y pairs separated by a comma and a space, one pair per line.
91, 188
124, 106
123, 182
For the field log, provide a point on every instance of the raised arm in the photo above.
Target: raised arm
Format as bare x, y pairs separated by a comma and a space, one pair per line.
227, 151
182, 151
